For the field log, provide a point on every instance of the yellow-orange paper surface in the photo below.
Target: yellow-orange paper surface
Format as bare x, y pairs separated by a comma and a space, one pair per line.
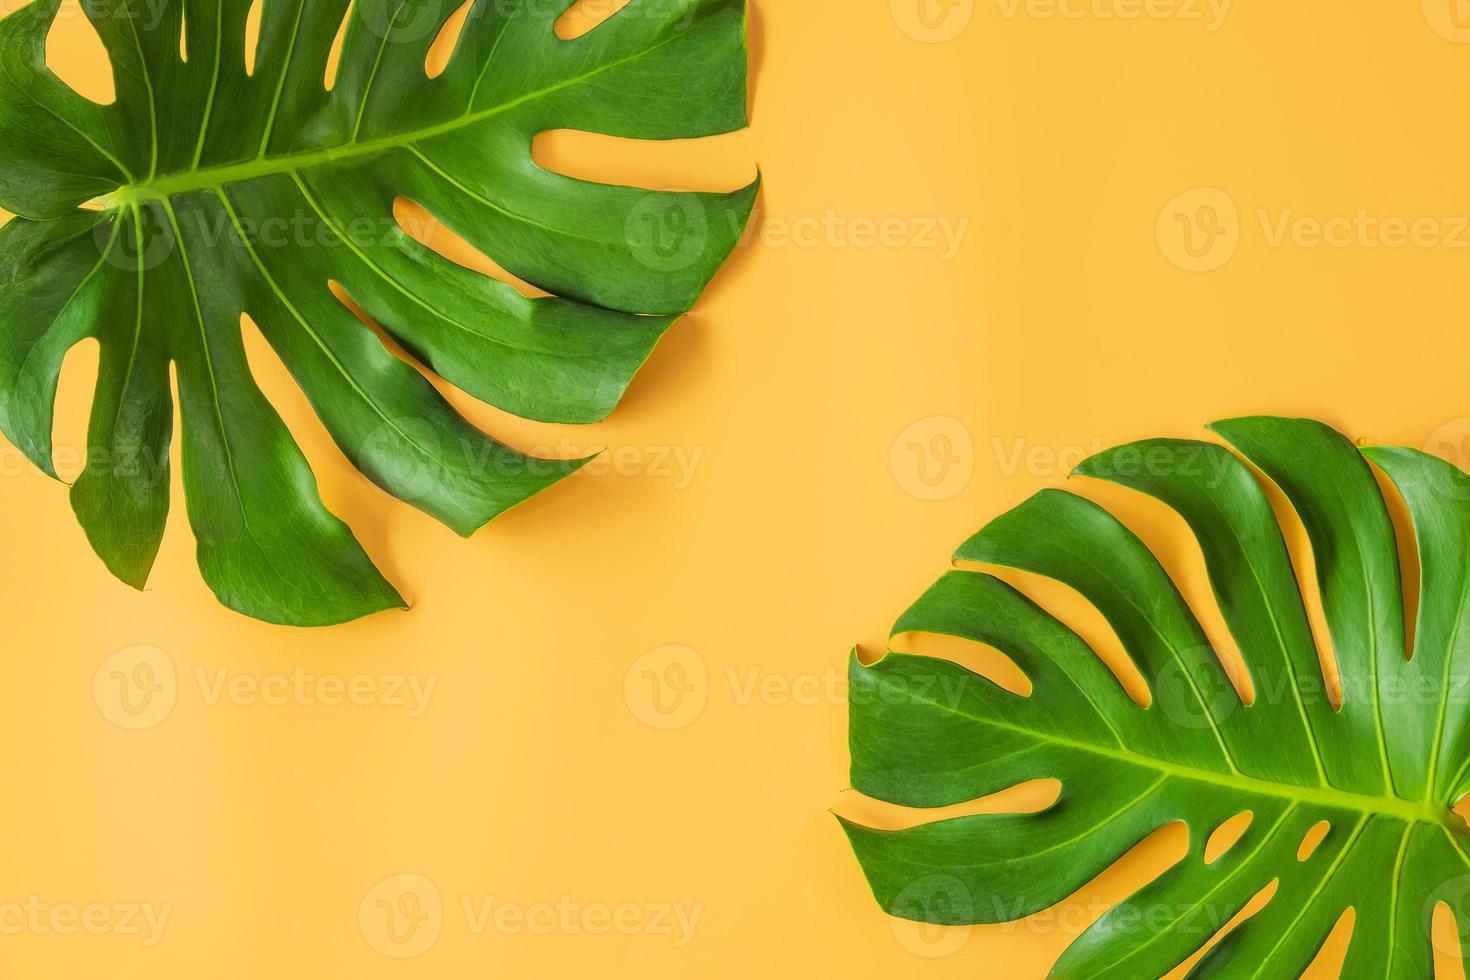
995, 236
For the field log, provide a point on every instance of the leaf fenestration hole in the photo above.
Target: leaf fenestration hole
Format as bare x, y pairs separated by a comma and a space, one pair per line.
74, 49
389, 342
1408, 551
418, 224
1170, 540
712, 164
979, 658
444, 45
1447, 947
1329, 959
508, 428
1258, 902
1151, 857
334, 54
1313, 839
273, 378
69, 424
1032, 796
1303, 563
1227, 835
1083, 618
252, 34
584, 15
338, 481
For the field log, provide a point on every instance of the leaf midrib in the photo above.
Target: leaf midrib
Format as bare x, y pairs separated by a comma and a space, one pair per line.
1327, 796
214, 178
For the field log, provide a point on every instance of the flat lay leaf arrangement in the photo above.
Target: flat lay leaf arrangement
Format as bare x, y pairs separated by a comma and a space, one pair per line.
1382, 771
227, 189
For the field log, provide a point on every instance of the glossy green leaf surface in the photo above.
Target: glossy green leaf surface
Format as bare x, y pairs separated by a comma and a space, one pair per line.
1382, 771
230, 189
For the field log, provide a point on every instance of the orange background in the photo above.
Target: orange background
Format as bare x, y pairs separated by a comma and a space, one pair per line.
768, 511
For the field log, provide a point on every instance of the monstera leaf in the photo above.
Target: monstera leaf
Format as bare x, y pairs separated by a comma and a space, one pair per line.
219, 189
1381, 771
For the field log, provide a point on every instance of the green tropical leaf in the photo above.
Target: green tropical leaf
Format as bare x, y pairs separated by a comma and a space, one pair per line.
1383, 771
226, 190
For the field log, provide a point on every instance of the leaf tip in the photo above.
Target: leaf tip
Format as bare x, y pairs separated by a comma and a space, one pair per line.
134, 578
1087, 468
